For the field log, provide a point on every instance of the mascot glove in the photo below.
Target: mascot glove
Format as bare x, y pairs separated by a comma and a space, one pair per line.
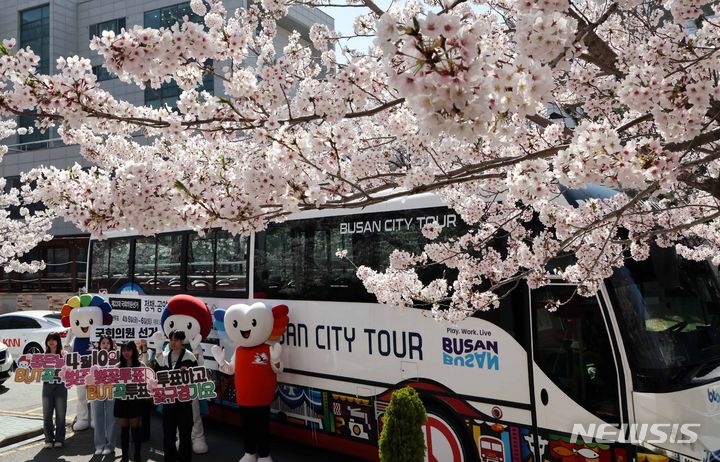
275, 363
157, 339
218, 353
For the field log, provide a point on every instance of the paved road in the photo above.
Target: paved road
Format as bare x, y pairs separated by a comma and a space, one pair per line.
20, 408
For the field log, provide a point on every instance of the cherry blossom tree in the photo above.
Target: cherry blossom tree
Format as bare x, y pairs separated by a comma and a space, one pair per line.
495, 106
21, 227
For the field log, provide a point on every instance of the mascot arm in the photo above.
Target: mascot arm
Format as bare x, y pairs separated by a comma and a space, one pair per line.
157, 339
275, 362
68, 347
218, 353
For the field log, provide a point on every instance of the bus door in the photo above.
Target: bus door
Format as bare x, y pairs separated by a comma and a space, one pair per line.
577, 374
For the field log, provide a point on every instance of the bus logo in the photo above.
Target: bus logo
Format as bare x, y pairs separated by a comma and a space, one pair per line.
713, 395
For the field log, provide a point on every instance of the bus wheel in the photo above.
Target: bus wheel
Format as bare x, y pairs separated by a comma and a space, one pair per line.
446, 438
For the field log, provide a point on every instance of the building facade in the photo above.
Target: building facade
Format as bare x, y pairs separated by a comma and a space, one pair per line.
55, 28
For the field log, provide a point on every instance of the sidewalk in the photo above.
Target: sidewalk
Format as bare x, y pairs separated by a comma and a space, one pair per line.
16, 428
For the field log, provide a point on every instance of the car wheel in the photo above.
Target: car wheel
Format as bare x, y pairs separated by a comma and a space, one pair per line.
32, 348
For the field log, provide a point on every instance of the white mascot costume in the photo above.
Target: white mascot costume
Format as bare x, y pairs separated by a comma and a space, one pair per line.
81, 314
192, 316
256, 330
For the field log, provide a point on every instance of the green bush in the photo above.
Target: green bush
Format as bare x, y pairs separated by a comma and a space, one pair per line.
402, 436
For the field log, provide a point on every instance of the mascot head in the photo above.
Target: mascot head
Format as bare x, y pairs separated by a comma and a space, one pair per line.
81, 313
253, 325
187, 314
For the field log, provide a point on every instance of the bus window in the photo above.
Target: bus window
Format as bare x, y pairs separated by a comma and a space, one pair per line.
297, 259
99, 276
512, 314
572, 347
144, 269
231, 262
200, 263
109, 264
169, 253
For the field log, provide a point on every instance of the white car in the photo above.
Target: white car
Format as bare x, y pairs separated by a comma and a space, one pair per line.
6, 361
24, 332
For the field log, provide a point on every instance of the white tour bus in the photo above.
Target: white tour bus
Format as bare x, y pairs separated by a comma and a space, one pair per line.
634, 370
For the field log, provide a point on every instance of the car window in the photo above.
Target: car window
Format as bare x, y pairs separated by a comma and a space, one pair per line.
5, 322
22, 322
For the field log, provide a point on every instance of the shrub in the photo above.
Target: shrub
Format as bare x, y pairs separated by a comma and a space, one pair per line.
402, 436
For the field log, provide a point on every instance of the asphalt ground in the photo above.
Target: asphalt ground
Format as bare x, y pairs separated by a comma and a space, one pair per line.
21, 436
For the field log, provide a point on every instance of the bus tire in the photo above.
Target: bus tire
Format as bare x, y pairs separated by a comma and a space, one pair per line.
450, 439
32, 348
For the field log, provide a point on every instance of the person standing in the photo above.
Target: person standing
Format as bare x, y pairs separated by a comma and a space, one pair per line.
54, 399
129, 412
178, 416
103, 411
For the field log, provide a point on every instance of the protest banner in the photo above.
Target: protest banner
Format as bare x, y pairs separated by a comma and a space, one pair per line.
99, 371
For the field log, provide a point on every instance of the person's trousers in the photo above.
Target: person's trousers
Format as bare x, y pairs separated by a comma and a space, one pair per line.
104, 424
54, 399
256, 429
177, 417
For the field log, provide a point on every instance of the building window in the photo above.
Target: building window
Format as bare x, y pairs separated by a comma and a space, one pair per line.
169, 93
114, 25
35, 33
103, 74
169, 15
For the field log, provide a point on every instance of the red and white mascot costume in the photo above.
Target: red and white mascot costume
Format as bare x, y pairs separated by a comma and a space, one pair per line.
256, 330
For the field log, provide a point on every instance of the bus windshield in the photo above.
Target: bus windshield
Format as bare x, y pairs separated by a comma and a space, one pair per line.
668, 309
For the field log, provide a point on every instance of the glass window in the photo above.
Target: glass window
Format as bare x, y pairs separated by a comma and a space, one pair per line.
32, 140
231, 262
102, 74
81, 263
35, 33
5, 322
99, 258
169, 93
119, 265
572, 347
145, 256
22, 322
115, 25
58, 267
296, 259
201, 262
169, 253
169, 15
668, 309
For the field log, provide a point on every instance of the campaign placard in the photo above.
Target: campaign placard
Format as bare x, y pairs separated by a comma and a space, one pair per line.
99, 371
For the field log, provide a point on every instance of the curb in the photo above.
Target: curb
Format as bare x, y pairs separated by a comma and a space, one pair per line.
26, 435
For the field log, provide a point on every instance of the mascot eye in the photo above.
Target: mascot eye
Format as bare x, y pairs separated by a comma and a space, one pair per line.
77, 323
235, 324
172, 324
254, 323
91, 322
189, 325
